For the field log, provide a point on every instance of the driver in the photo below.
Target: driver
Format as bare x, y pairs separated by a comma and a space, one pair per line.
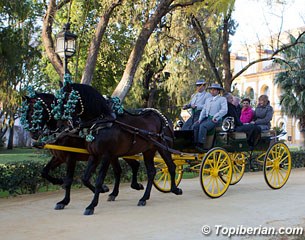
196, 103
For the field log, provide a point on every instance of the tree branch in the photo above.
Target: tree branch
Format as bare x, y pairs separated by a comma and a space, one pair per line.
205, 46
184, 4
47, 38
96, 42
272, 57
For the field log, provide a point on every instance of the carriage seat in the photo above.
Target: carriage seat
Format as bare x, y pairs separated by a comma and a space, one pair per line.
242, 135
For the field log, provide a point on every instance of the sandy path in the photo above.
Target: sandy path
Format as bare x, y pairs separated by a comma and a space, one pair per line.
166, 216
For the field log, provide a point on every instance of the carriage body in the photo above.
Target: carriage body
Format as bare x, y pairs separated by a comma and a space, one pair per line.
229, 140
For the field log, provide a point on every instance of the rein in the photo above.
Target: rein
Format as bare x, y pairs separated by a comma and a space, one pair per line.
147, 135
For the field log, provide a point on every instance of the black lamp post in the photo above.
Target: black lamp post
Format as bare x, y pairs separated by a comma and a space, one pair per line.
66, 45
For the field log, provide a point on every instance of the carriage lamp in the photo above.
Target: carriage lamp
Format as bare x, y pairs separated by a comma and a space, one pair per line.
66, 44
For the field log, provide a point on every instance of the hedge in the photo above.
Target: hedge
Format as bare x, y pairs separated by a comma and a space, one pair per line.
25, 177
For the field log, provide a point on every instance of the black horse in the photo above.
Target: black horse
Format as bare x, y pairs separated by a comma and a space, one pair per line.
42, 102
129, 134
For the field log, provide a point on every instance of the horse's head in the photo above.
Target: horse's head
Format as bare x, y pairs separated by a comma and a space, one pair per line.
79, 101
36, 113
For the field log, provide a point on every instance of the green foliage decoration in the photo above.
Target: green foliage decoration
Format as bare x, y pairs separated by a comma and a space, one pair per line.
117, 106
69, 107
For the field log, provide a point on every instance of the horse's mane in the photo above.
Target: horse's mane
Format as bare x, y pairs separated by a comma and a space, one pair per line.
93, 102
48, 98
165, 121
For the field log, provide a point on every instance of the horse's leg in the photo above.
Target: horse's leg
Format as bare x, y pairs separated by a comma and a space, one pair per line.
151, 172
51, 165
134, 164
105, 161
117, 170
91, 167
167, 157
71, 164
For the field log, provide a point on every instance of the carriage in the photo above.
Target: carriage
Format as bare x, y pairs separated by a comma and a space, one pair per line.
223, 161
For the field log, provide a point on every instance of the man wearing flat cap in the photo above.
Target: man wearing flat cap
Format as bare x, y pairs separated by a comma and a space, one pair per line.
214, 109
198, 99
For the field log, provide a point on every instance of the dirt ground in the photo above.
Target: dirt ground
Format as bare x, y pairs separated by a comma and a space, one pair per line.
250, 203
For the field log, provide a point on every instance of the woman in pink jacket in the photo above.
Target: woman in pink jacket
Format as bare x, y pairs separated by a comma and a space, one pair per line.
247, 112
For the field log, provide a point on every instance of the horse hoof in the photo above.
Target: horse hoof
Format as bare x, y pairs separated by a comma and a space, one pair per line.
89, 212
111, 198
59, 206
177, 191
137, 186
104, 189
142, 203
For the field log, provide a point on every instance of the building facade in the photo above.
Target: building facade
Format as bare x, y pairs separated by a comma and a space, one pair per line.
258, 80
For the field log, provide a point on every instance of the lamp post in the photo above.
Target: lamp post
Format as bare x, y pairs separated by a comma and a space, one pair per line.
65, 45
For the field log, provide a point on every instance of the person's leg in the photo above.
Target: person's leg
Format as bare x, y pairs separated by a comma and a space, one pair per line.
188, 124
195, 128
205, 126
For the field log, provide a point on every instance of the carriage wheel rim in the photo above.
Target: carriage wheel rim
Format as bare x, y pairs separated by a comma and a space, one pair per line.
162, 180
238, 166
215, 165
277, 165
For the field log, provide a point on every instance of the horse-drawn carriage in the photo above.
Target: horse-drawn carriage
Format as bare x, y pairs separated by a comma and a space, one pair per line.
224, 160
139, 136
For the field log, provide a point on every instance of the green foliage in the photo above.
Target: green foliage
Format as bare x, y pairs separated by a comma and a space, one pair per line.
23, 177
292, 81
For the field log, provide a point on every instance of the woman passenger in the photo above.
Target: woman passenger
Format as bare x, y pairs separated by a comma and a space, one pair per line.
247, 112
263, 113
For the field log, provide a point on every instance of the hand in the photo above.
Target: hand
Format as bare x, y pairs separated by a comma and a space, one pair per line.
214, 120
185, 107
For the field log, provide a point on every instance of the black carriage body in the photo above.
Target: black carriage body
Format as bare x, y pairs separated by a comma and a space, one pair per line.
230, 141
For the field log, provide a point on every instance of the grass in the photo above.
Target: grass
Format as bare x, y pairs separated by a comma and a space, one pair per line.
22, 154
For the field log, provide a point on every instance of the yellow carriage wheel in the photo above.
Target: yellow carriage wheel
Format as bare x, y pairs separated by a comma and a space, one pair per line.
216, 166
277, 165
238, 167
162, 179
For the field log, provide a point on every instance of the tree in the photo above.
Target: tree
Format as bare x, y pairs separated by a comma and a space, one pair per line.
19, 56
292, 80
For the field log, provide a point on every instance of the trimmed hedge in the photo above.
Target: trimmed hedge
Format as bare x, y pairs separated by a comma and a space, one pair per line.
25, 177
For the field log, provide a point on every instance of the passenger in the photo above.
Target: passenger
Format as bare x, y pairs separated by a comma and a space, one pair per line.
263, 113
198, 99
236, 103
232, 109
252, 131
212, 113
247, 112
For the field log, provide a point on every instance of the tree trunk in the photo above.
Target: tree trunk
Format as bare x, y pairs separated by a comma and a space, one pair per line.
95, 44
10, 142
226, 54
47, 38
136, 55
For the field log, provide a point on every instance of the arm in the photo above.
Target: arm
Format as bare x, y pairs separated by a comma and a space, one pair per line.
202, 114
202, 100
223, 109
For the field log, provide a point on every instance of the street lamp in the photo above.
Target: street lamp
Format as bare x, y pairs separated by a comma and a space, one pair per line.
66, 45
